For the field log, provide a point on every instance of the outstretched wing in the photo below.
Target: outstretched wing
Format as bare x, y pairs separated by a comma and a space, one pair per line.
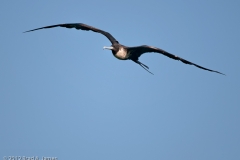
82, 27
136, 52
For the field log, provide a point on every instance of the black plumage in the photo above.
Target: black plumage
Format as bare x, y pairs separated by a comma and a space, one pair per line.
123, 52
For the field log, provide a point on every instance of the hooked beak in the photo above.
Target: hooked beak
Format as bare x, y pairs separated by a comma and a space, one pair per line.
110, 48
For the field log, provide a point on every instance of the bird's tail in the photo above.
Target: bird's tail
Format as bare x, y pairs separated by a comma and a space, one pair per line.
143, 66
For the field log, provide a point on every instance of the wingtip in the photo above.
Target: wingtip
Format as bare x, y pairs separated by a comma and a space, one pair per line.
34, 29
220, 73
29, 31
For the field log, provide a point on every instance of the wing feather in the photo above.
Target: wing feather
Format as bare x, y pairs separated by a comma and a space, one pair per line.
136, 52
82, 27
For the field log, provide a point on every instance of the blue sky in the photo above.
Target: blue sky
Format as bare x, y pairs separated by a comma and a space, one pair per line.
63, 96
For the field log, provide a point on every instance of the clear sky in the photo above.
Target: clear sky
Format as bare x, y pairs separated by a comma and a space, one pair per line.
62, 95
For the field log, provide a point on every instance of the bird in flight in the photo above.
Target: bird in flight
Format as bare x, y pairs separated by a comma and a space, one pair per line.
122, 52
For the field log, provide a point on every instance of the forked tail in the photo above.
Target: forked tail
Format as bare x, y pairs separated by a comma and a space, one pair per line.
143, 66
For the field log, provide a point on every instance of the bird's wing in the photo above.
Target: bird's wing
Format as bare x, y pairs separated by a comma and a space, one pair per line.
136, 52
82, 27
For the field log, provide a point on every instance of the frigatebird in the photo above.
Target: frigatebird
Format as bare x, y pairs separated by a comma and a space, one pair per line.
122, 52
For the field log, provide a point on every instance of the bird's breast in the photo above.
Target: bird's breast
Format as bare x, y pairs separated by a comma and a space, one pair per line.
122, 54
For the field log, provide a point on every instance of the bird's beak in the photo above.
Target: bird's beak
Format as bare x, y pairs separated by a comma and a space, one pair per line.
110, 48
